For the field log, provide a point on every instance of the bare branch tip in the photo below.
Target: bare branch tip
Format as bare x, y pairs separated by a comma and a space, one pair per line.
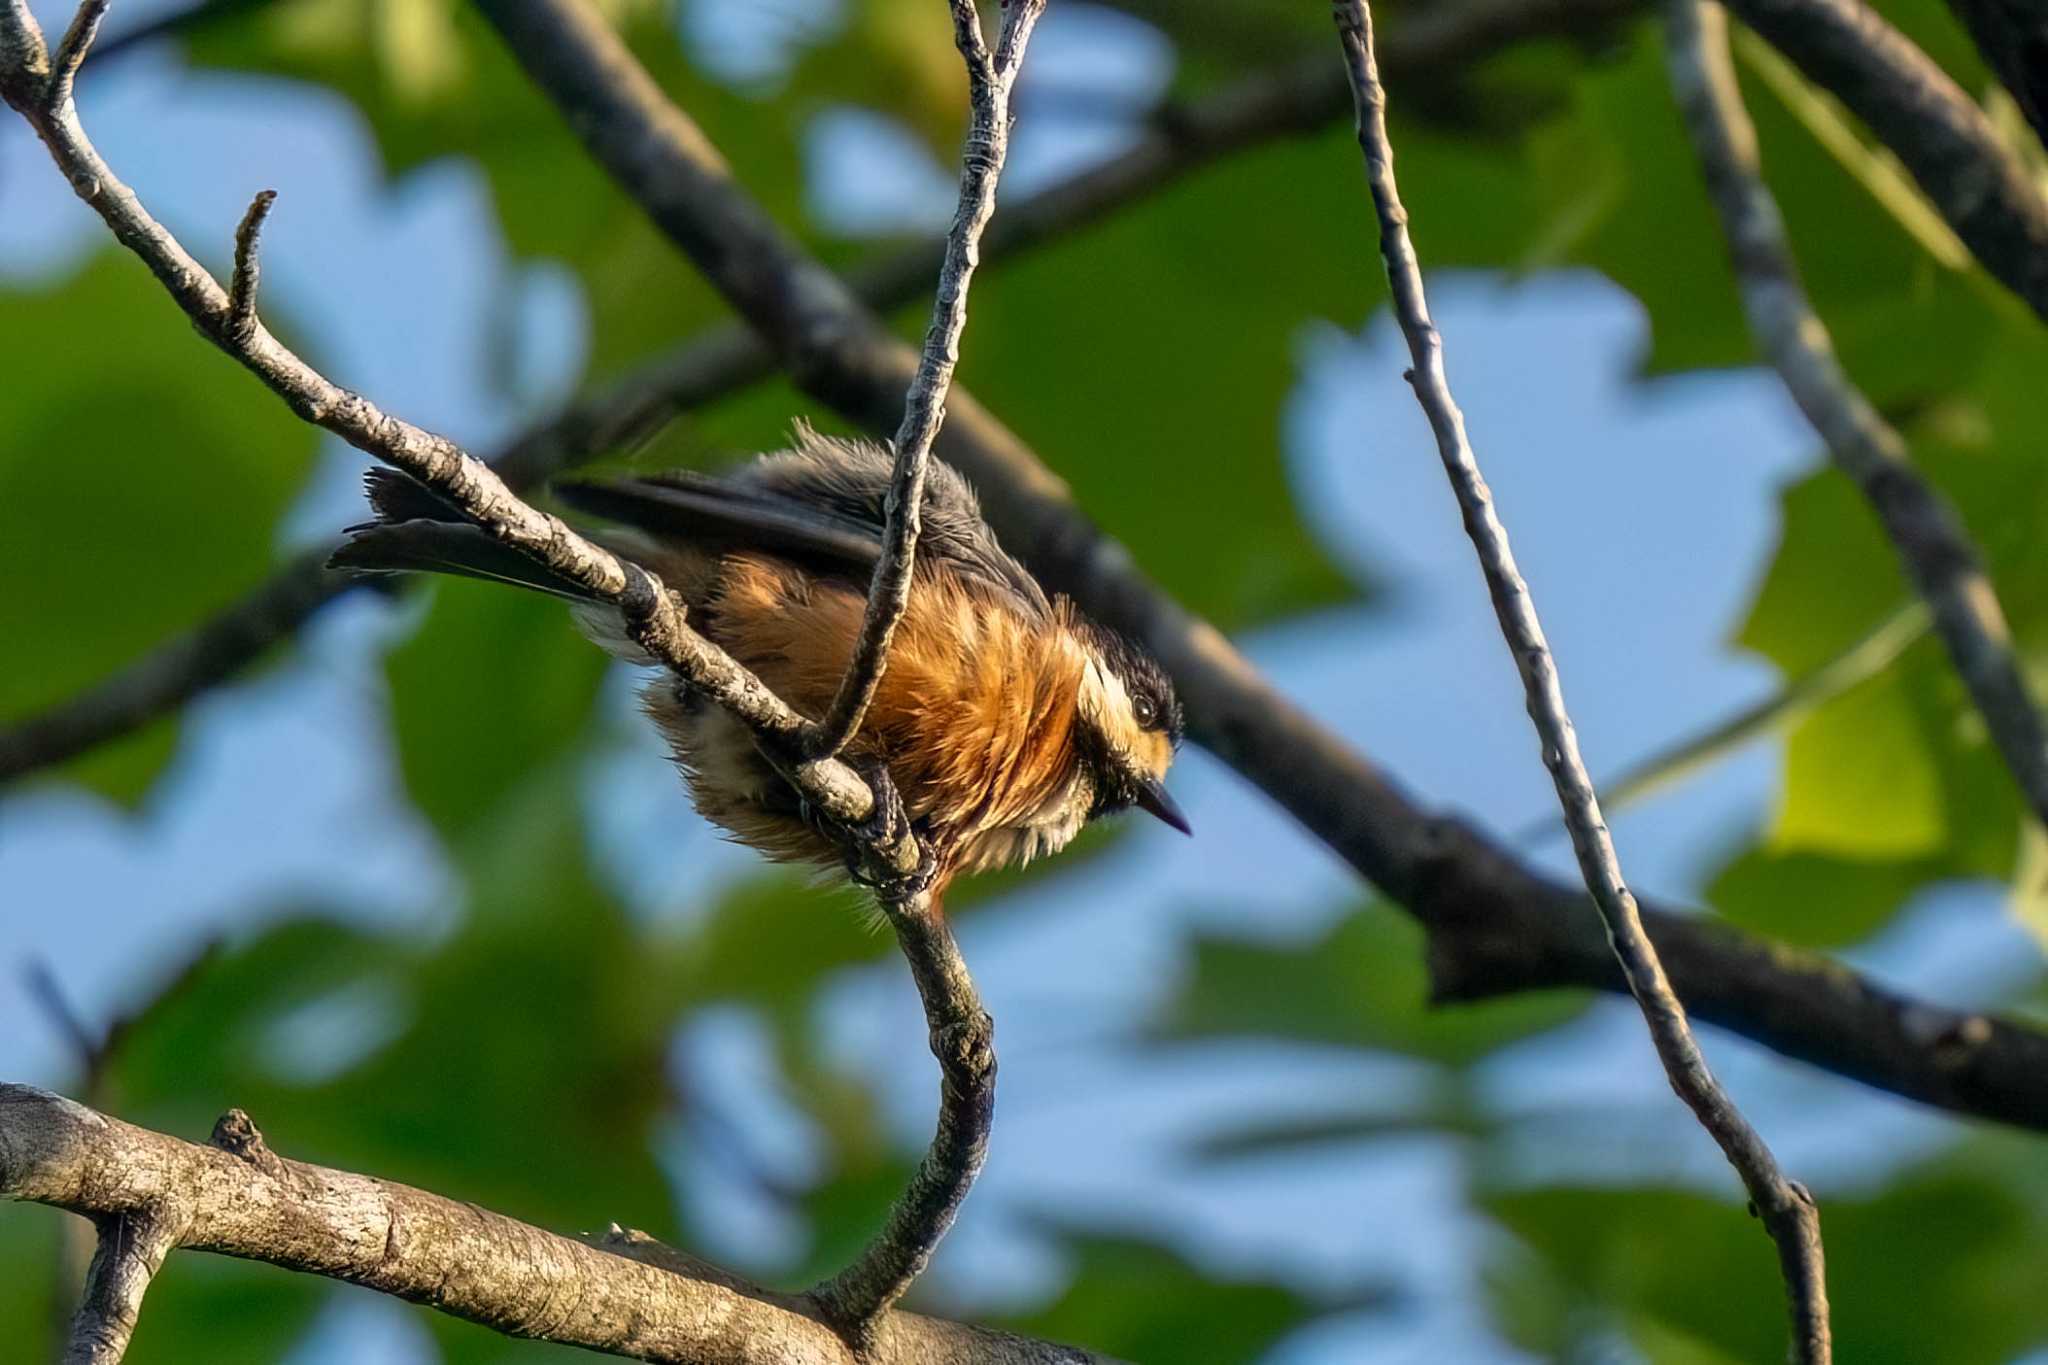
248, 267
237, 1134
71, 50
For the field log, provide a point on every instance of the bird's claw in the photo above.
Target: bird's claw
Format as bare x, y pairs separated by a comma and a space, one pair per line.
886, 825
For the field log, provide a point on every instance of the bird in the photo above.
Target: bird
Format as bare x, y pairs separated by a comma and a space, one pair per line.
1004, 722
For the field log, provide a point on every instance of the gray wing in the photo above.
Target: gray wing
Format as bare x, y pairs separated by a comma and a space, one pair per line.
824, 501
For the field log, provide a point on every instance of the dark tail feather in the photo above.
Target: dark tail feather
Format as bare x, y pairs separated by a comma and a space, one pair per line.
714, 514
417, 531
443, 547
396, 496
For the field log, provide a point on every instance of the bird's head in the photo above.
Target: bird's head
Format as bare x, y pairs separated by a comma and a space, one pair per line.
1130, 725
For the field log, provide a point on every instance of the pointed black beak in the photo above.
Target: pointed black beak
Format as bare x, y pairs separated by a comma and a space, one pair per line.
1152, 797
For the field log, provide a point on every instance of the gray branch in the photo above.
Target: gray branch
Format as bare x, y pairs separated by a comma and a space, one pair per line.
619, 1293
1933, 548
990, 79
1939, 133
131, 1250
1786, 1208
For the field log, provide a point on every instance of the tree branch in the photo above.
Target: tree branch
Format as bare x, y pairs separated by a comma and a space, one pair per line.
1933, 548
131, 1250
2012, 38
963, 1039
989, 80
621, 1294
1938, 131
961, 1034
1786, 1208
38, 87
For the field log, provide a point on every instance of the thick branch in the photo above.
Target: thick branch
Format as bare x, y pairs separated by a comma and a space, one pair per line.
1933, 548
990, 78
1786, 1209
1936, 130
620, 1294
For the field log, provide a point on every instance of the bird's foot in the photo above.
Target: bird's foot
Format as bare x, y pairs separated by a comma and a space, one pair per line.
886, 825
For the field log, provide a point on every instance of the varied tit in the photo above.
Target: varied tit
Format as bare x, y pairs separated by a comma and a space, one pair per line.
1007, 719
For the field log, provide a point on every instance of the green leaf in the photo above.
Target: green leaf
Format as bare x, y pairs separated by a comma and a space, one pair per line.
1365, 985
1860, 780
1812, 900
140, 485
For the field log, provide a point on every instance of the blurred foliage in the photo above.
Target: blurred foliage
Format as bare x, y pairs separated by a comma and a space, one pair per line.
206, 460
521, 1059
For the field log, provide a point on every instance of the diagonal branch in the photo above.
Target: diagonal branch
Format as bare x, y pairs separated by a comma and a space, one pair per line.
38, 87
1786, 1208
621, 1293
1933, 548
1943, 137
990, 80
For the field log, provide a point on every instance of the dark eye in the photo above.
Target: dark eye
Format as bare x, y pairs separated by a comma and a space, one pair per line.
1146, 711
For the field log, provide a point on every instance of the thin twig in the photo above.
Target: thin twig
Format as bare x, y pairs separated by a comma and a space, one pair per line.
88, 1045
1933, 548
990, 80
615, 1293
71, 50
248, 265
1787, 1210
963, 1039
652, 613
1941, 135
